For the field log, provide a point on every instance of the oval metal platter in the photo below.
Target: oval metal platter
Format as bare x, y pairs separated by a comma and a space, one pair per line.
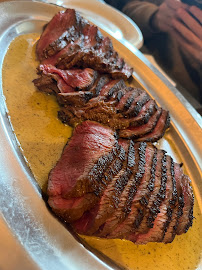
27, 228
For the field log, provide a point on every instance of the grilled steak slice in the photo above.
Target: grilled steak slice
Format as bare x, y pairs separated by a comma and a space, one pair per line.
97, 215
53, 35
186, 219
89, 143
139, 131
159, 130
87, 95
132, 206
119, 188
64, 81
69, 40
71, 209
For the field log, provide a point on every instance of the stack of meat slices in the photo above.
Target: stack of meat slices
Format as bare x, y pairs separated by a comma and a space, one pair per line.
69, 40
106, 183
81, 67
85, 94
119, 188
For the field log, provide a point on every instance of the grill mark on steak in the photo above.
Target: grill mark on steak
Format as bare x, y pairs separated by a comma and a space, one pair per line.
142, 227
103, 80
113, 90
172, 205
137, 104
78, 43
157, 233
144, 115
130, 94
159, 130
178, 211
97, 173
124, 186
144, 200
186, 219
54, 29
155, 209
140, 131
72, 34
130, 190
137, 178
114, 191
115, 167
108, 200
136, 213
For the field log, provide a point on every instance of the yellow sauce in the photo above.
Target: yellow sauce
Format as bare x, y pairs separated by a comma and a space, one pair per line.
42, 137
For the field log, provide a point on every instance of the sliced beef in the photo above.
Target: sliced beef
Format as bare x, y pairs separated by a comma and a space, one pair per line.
87, 95
64, 81
69, 40
53, 34
119, 188
89, 142
186, 219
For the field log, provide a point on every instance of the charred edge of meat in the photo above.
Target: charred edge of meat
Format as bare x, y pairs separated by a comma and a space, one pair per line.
74, 99
160, 135
115, 88
173, 200
179, 213
122, 181
113, 170
137, 178
190, 222
143, 117
155, 209
128, 102
71, 34
67, 117
46, 84
139, 104
127, 133
96, 175
101, 82
150, 187
131, 155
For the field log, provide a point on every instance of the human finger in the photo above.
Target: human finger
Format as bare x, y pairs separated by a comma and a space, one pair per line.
197, 12
193, 53
190, 22
186, 33
175, 5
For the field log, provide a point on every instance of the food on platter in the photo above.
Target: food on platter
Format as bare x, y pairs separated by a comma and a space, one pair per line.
69, 40
84, 94
116, 188
111, 181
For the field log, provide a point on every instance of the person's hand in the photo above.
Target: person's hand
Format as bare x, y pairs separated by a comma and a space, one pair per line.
187, 29
184, 24
162, 19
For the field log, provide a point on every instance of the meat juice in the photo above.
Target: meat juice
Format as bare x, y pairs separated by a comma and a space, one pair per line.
42, 136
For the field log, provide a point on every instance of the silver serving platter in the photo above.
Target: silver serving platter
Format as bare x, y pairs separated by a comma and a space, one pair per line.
31, 237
